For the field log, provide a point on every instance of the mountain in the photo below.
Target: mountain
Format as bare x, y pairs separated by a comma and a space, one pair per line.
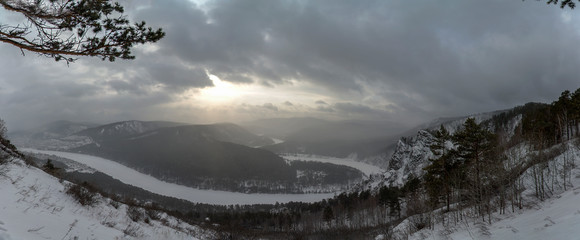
60, 128
281, 128
216, 156
352, 139
318, 130
123, 129
54, 135
411, 153
193, 153
525, 182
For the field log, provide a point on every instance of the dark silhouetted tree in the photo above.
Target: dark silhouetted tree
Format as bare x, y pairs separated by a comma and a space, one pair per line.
327, 214
563, 3
476, 149
65, 29
440, 173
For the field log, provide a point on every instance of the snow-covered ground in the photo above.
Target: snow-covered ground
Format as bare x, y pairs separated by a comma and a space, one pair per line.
149, 183
34, 205
555, 218
367, 169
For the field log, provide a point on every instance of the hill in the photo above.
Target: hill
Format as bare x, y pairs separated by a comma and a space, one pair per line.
356, 139
214, 156
36, 205
192, 154
54, 135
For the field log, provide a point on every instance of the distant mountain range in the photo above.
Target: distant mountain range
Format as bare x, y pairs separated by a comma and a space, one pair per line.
188, 154
227, 156
355, 139
217, 156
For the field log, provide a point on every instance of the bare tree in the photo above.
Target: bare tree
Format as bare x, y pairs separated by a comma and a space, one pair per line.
66, 29
3, 129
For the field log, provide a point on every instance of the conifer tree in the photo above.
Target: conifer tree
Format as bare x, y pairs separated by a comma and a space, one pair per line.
65, 29
476, 149
439, 173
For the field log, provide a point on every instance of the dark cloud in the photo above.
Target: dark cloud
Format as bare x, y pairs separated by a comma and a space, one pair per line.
270, 106
178, 77
406, 60
442, 52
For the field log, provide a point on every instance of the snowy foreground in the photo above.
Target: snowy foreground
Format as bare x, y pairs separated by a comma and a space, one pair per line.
154, 185
366, 169
556, 218
34, 205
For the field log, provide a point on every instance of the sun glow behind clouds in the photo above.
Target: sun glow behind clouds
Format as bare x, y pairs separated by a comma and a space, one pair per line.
221, 92
225, 93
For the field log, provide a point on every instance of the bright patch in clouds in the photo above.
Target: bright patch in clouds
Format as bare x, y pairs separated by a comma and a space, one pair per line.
222, 92
227, 93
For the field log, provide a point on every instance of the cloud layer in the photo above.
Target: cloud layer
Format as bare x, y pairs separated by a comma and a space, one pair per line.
393, 60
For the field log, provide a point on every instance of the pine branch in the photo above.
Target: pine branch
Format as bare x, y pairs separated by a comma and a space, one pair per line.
63, 29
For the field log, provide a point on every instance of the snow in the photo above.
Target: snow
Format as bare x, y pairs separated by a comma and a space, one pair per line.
365, 168
34, 205
555, 218
132, 177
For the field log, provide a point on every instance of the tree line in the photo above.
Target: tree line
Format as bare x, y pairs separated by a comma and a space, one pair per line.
478, 170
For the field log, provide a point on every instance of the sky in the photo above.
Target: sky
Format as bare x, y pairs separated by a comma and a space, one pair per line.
406, 62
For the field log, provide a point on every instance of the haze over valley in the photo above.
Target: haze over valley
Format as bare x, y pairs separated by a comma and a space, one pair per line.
260, 119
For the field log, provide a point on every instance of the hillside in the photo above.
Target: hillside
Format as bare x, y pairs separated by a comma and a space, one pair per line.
220, 156
54, 135
514, 174
411, 153
123, 129
35, 205
208, 156
189, 151
557, 217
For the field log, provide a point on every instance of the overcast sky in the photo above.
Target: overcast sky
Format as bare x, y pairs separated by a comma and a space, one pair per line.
402, 61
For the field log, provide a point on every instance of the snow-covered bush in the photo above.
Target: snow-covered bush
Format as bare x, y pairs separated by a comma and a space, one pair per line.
83, 195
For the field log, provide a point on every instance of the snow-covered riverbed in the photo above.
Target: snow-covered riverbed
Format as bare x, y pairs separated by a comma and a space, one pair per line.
367, 169
149, 183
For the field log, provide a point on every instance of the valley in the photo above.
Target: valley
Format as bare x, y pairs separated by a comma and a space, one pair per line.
289, 120
211, 157
394, 202
154, 185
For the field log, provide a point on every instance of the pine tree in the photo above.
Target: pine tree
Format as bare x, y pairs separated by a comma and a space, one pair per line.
476, 149
439, 176
327, 214
64, 30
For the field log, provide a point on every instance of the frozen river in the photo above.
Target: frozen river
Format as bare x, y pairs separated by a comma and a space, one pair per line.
149, 183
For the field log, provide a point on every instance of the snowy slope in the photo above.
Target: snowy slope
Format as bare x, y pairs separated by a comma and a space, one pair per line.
555, 218
149, 183
34, 205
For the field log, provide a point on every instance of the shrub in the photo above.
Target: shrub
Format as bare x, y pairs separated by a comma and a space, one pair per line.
135, 213
83, 194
